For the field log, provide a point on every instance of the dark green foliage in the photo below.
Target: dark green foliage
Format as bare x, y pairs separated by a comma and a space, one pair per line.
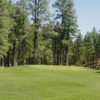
5, 25
78, 51
85, 50
38, 9
29, 35
68, 27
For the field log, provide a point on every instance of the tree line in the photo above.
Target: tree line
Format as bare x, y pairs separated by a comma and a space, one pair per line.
31, 33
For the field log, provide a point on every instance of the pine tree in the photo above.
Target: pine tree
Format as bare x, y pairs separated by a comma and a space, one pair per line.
78, 51
21, 35
5, 25
50, 36
39, 12
25, 38
66, 14
89, 49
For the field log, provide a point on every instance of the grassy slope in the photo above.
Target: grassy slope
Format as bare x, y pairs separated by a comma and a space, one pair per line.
49, 83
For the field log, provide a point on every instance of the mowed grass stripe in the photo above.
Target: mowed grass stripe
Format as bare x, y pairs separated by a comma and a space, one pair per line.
49, 83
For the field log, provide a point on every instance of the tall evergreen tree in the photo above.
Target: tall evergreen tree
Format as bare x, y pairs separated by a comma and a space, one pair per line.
25, 36
65, 13
78, 51
50, 36
89, 49
19, 35
39, 12
5, 25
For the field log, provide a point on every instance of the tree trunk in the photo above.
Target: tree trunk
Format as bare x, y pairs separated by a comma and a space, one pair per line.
55, 52
2, 62
13, 63
58, 57
7, 60
66, 56
35, 45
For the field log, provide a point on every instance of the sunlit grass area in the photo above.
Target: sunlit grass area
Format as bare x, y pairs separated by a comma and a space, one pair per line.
49, 83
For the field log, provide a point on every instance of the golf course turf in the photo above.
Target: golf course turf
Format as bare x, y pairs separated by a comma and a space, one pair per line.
49, 83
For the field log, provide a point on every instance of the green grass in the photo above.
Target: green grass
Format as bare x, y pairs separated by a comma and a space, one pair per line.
49, 83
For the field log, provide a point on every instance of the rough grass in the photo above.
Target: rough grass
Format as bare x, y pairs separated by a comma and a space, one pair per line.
49, 83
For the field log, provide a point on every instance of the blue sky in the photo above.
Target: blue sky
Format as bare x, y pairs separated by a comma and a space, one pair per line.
88, 13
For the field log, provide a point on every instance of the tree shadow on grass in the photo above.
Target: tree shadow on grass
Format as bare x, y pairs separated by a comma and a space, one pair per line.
98, 72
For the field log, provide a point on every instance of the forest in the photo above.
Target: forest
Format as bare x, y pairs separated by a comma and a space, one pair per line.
45, 32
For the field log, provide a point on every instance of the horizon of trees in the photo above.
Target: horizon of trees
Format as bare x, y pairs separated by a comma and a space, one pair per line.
31, 34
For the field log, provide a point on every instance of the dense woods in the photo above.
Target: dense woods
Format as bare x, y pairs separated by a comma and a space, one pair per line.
30, 33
